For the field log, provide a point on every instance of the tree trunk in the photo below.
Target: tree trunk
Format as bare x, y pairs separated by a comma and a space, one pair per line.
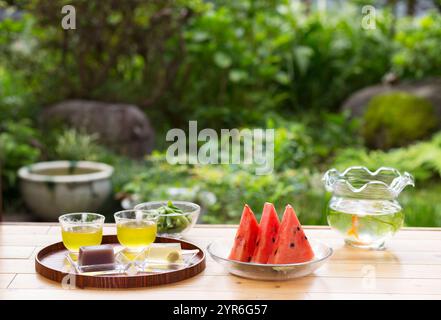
411, 6
437, 4
393, 5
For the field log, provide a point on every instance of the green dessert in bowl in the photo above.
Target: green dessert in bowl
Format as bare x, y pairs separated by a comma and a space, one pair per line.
175, 217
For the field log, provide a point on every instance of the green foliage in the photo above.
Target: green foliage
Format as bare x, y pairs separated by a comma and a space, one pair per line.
396, 119
296, 148
254, 57
27, 70
312, 141
421, 205
417, 43
260, 56
211, 186
290, 186
422, 159
224, 63
17, 149
13, 95
118, 51
241, 63
73, 145
156, 176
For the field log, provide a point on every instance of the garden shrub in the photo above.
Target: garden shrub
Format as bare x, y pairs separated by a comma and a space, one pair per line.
211, 186
422, 159
397, 119
254, 56
417, 43
76, 146
70, 144
296, 149
18, 147
313, 140
299, 186
421, 205
225, 63
269, 56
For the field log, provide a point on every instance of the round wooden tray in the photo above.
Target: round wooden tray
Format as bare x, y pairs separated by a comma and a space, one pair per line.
50, 263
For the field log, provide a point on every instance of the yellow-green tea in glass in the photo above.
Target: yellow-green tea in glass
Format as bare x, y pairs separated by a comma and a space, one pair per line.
81, 230
136, 229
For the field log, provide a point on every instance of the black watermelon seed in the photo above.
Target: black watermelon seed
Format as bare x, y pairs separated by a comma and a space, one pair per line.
292, 245
306, 238
274, 239
298, 228
275, 252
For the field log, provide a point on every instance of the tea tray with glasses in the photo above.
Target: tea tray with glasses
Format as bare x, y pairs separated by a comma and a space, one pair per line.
56, 263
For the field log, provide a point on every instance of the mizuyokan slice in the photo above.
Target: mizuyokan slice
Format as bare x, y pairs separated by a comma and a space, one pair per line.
266, 238
292, 245
245, 240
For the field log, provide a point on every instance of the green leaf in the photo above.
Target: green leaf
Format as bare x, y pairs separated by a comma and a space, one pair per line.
303, 56
222, 60
237, 75
200, 36
282, 77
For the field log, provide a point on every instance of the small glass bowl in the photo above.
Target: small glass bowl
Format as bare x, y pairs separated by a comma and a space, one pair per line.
81, 229
220, 249
173, 225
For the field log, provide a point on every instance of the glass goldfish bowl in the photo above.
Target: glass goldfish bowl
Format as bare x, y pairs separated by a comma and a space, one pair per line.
364, 207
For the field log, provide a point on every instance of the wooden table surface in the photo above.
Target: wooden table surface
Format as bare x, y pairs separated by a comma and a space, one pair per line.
410, 268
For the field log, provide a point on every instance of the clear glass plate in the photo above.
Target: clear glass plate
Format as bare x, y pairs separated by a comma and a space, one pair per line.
132, 264
220, 249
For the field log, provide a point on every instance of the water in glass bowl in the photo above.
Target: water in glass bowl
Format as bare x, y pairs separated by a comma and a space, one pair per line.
365, 223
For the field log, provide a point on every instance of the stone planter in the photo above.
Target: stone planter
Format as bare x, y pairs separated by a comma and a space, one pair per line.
52, 188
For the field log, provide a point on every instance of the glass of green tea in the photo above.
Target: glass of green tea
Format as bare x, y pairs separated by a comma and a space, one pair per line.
81, 229
136, 229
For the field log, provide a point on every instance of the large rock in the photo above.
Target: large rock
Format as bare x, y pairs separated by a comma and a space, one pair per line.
429, 89
122, 127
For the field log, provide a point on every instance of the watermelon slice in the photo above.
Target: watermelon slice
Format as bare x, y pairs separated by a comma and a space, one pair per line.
245, 240
269, 225
292, 246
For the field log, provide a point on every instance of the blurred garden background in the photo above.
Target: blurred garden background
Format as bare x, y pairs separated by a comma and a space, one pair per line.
336, 93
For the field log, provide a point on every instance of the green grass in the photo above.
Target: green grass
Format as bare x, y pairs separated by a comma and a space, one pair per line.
421, 205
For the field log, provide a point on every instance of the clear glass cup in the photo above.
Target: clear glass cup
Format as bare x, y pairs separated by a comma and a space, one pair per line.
81, 229
136, 229
364, 205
